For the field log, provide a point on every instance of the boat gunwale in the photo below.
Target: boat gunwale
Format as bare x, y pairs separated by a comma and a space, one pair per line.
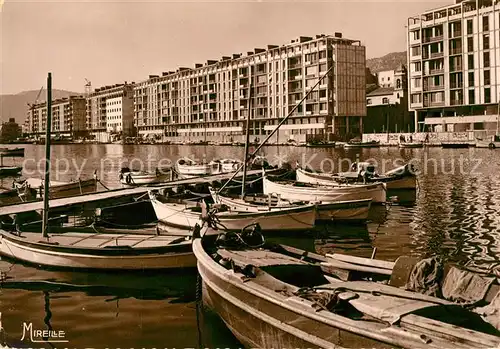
328, 318
120, 251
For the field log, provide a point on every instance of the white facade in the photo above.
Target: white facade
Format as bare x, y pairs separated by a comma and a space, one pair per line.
454, 63
114, 114
386, 78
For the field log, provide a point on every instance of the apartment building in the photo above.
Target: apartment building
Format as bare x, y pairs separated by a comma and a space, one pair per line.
68, 117
110, 111
212, 101
453, 57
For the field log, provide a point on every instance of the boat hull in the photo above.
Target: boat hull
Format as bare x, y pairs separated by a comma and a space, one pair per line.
133, 179
176, 214
331, 191
66, 189
97, 258
17, 152
391, 182
296, 218
10, 171
362, 145
267, 322
339, 211
356, 210
181, 215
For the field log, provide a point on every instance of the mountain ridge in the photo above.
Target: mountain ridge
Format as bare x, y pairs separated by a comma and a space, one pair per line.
16, 105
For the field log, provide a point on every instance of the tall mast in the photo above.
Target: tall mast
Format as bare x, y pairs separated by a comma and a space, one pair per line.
47, 157
247, 139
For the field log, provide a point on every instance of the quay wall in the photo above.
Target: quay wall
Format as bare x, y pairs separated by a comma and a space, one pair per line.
434, 138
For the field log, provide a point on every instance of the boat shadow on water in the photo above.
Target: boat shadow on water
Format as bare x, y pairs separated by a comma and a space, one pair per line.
177, 285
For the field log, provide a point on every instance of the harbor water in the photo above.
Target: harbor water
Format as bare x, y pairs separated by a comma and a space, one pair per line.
453, 214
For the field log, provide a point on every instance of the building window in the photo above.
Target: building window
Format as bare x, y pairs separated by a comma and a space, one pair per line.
385, 100
469, 26
418, 82
487, 77
415, 51
487, 95
486, 59
471, 79
398, 83
470, 61
486, 24
470, 44
486, 42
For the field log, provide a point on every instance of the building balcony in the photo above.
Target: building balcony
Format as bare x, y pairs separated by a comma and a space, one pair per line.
416, 58
437, 54
432, 39
456, 102
435, 72
434, 104
298, 77
295, 66
455, 85
456, 51
456, 34
457, 68
434, 88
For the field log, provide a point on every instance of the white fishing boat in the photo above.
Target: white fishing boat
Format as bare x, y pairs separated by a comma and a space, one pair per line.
135, 177
184, 214
57, 189
98, 251
188, 168
227, 165
293, 190
403, 177
354, 210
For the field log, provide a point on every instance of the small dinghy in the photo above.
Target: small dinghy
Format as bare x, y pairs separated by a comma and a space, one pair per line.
10, 171
188, 168
186, 214
402, 177
16, 152
32, 188
352, 144
135, 177
276, 296
98, 250
354, 210
300, 191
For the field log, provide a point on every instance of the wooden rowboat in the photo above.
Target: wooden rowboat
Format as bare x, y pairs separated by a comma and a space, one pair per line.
273, 296
16, 152
10, 170
354, 210
184, 214
402, 177
98, 251
325, 193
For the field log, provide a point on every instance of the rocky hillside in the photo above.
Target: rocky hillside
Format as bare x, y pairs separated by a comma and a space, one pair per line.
16, 106
388, 62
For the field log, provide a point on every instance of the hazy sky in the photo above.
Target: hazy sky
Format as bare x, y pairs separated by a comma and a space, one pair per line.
109, 42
